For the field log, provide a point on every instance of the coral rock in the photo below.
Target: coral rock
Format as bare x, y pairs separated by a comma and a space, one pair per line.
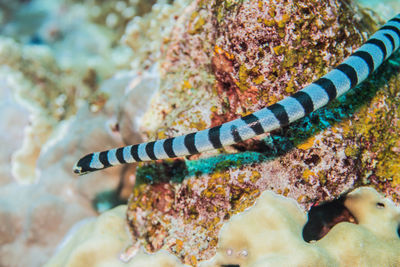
229, 58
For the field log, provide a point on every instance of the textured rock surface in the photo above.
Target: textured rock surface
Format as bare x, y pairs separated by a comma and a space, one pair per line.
229, 58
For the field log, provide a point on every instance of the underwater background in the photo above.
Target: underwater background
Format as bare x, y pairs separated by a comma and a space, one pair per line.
84, 76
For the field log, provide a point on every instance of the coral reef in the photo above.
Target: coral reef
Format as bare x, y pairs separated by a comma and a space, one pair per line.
209, 78
67, 90
230, 58
48, 92
99, 242
8, 8
53, 112
115, 15
35, 218
58, 77
15, 118
267, 234
149, 35
385, 9
37, 94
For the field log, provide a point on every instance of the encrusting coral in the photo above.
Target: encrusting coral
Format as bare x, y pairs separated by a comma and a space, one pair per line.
267, 234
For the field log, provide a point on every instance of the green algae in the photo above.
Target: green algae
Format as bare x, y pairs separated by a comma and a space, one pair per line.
176, 171
160, 172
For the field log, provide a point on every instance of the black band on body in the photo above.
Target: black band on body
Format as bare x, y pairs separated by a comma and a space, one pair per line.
168, 148
104, 159
391, 40
380, 44
254, 123
150, 150
395, 19
84, 163
189, 143
350, 72
120, 155
214, 136
392, 28
367, 58
280, 114
305, 101
135, 153
328, 86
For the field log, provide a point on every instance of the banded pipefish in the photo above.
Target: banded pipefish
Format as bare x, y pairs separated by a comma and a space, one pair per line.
356, 68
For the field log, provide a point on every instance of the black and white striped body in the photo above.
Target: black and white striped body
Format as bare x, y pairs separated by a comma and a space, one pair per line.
341, 79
